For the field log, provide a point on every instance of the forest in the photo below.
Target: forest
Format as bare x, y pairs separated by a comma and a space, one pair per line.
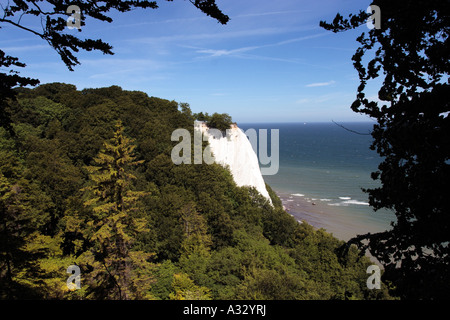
86, 180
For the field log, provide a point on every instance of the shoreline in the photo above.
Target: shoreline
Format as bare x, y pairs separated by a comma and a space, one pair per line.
320, 215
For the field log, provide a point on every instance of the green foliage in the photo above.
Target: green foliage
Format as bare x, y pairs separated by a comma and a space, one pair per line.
185, 289
22, 214
202, 116
410, 55
273, 196
221, 121
114, 224
97, 188
67, 45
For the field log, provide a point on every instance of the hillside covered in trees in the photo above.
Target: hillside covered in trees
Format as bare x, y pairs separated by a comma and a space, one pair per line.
86, 179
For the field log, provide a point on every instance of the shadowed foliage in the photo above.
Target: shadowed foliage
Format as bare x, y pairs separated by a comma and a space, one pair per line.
409, 53
88, 180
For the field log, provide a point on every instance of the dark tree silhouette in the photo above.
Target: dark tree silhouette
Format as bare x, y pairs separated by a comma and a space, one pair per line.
410, 53
53, 16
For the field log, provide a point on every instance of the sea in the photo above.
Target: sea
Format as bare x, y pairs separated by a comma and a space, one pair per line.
322, 170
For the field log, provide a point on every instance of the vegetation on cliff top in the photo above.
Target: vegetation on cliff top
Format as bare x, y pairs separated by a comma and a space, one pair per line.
87, 180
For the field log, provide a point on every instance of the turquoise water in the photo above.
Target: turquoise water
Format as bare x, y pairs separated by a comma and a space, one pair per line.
322, 168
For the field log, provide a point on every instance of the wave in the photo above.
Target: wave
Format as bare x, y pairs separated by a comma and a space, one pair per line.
347, 202
345, 198
362, 203
298, 194
326, 200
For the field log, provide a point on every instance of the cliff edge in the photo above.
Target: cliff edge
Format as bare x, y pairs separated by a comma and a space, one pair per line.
235, 151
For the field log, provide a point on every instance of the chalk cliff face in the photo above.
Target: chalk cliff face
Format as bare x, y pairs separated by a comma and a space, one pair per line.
235, 150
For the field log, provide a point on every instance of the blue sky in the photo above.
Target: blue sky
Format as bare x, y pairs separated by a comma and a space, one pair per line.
271, 63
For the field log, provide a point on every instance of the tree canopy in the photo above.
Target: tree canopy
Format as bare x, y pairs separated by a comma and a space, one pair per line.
86, 179
93, 185
409, 53
221, 121
52, 17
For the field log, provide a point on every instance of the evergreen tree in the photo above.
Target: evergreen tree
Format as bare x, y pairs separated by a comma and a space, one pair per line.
197, 240
196, 246
115, 223
212, 238
22, 213
10, 239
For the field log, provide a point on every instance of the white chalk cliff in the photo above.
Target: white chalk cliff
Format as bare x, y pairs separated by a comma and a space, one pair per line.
235, 151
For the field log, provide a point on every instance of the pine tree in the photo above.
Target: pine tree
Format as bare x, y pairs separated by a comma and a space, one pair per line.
117, 271
197, 240
10, 242
22, 214
196, 246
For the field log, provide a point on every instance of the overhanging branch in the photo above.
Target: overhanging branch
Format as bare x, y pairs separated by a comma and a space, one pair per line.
22, 27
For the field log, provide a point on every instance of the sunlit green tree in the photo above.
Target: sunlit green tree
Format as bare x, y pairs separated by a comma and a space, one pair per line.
117, 271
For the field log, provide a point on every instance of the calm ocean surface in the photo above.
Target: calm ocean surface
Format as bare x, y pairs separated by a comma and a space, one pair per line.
322, 168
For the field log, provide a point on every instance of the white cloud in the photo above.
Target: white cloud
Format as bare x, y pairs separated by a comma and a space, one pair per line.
270, 13
210, 36
334, 97
320, 84
303, 101
26, 48
239, 52
223, 52
317, 35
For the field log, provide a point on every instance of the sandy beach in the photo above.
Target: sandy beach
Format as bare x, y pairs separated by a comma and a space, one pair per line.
320, 215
